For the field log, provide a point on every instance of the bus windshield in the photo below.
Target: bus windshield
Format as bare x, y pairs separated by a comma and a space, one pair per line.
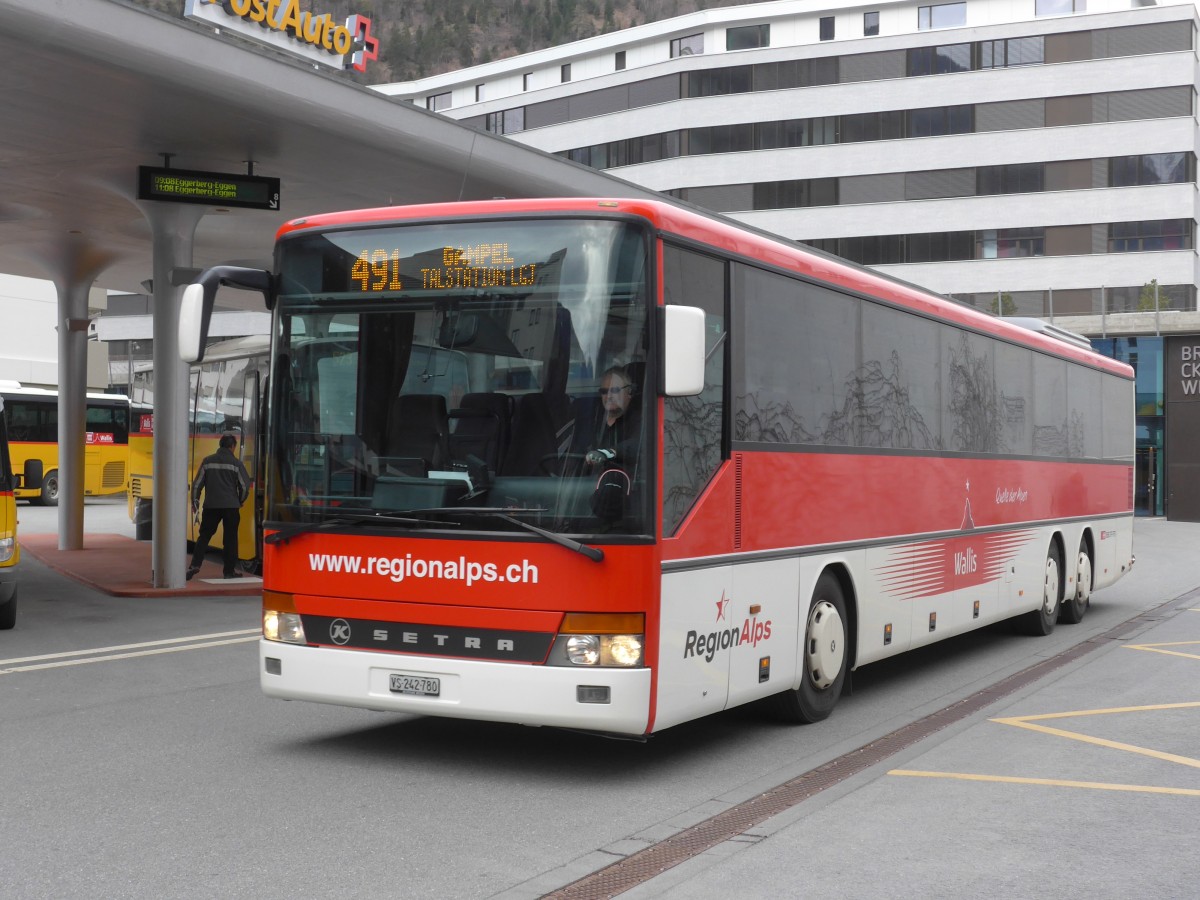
481, 376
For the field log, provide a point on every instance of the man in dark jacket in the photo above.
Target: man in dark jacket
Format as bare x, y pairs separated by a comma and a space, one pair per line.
226, 485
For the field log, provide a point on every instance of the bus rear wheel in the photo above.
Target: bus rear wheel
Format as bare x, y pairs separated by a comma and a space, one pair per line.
1041, 621
49, 495
824, 657
1076, 605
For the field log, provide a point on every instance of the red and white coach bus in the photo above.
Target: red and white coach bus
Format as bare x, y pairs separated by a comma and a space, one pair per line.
817, 467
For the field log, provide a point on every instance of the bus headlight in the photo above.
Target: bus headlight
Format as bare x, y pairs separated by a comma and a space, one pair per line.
7, 546
583, 649
604, 640
283, 626
624, 650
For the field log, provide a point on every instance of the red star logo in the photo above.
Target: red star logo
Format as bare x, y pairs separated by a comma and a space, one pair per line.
721, 604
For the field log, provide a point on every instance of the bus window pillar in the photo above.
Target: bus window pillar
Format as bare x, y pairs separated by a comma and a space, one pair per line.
173, 227
73, 279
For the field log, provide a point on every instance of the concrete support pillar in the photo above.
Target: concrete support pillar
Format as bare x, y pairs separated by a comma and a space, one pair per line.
173, 227
72, 405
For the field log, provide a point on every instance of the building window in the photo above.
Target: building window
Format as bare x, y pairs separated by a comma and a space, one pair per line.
939, 60
1025, 51
937, 120
1009, 243
619, 61
748, 37
505, 122
1058, 7
565, 72
1018, 178
944, 15
1140, 237
525, 80
827, 28
692, 45
870, 24
437, 102
1153, 168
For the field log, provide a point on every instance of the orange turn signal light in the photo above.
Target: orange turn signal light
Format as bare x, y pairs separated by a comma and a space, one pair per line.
603, 623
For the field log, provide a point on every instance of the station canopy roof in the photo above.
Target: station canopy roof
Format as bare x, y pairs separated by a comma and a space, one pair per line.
93, 89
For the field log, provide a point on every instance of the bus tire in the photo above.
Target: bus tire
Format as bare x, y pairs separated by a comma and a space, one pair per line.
1041, 621
1074, 606
49, 495
824, 658
8, 612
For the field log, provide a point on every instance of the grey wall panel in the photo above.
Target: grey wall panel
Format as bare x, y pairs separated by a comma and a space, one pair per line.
873, 66
1010, 115
871, 188
939, 183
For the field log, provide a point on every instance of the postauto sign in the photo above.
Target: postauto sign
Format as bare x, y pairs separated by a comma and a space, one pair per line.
282, 24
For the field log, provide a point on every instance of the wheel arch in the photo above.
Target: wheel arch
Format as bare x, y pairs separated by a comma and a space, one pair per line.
1089, 540
1065, 559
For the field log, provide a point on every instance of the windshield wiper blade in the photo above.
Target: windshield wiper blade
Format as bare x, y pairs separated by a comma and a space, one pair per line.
595, 554
286, 532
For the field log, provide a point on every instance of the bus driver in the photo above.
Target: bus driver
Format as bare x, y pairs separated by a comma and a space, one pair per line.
618, 433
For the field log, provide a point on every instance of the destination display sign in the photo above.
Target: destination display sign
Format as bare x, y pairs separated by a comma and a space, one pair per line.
210, 188
482, 265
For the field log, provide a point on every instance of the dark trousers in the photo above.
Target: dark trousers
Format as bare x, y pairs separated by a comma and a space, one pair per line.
209, 520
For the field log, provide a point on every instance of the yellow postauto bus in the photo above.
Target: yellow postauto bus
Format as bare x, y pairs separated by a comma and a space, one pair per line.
10, 550
224, 395
31, 415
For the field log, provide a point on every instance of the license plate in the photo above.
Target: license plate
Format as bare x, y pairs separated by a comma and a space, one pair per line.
422, 685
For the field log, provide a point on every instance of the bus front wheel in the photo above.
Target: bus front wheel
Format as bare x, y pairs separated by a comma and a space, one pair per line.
824, 657
49, 496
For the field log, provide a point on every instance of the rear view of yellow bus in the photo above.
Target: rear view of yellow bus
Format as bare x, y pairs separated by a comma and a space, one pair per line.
10, 551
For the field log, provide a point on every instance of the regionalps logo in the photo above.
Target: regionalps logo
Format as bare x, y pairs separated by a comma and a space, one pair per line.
316, 36
708, 645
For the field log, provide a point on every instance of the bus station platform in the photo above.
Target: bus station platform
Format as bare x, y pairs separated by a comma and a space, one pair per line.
122, 567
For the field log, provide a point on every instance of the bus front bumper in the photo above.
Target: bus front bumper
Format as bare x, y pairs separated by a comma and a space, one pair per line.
467, 689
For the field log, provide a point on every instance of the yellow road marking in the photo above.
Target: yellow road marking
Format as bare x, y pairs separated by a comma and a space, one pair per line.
1051, 782
1028, 723
1157, 648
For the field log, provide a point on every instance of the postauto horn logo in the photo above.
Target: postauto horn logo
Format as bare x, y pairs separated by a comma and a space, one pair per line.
281, 23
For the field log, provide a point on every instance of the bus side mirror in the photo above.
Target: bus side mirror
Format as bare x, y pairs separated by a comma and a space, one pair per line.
683, 351
33, 476
195, 311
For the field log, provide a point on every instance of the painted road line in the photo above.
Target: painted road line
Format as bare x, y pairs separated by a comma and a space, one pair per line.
1158, 648
100, 650
1029, 722
157, 651
1050, 782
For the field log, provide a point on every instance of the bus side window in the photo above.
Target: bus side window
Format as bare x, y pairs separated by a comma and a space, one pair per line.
694, 442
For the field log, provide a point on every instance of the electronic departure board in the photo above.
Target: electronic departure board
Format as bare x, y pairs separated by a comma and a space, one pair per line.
209, 188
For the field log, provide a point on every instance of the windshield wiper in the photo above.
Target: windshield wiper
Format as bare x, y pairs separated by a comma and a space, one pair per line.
595, 554
287, 532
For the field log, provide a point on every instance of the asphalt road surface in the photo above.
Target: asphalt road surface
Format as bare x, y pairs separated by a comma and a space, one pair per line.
139, 759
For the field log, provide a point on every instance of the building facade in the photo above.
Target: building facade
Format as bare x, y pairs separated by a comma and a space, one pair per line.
1027, 157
